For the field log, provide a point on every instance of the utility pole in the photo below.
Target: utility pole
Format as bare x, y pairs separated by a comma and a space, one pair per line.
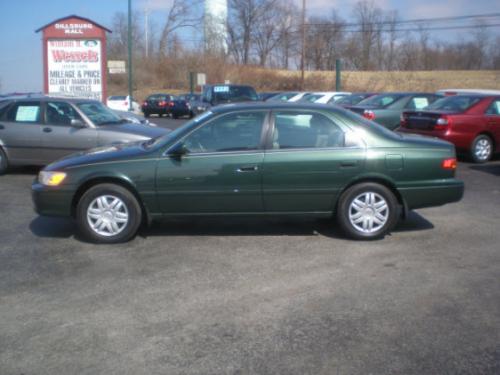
303, 54
146, 28
129, 43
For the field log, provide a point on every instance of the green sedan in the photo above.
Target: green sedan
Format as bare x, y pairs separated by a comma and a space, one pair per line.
254, 159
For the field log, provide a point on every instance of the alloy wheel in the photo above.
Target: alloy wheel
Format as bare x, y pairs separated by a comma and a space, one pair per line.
368, 212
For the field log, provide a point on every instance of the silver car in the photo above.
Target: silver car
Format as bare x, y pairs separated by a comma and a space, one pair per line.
39, 130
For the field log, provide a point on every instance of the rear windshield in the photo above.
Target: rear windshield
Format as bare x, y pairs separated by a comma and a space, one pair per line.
158, 97
381, 101
283, 96
223, 94
458, 103
350, 99
311, 98
117, 97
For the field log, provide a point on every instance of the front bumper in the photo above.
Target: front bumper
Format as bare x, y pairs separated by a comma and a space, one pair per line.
52, 201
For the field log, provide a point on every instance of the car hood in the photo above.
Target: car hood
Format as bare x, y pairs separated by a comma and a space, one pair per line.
118, 152
135, 129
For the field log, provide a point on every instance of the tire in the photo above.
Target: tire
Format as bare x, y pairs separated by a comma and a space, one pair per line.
175, 116
4, 162
146, 114
482, 149
367, 211
92, 208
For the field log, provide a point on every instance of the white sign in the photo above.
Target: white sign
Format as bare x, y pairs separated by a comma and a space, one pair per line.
74, 68
201, 79
74, 28
116, 67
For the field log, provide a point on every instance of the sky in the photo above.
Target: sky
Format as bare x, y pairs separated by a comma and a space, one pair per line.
21, 57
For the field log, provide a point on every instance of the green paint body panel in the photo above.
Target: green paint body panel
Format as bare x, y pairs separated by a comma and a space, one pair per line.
265, 181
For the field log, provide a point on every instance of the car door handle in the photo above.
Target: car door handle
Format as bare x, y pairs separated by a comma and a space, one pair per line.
248, 169
2, 127
47, 130
348, 164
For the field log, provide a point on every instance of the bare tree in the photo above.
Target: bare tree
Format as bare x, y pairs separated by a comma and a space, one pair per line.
369, 17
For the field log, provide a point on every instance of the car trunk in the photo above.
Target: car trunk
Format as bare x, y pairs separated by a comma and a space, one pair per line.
424, 120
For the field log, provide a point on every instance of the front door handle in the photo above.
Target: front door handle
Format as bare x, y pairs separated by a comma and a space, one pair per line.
248, 169
47, 130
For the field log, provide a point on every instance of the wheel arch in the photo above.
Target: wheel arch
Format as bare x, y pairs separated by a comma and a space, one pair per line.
120, 181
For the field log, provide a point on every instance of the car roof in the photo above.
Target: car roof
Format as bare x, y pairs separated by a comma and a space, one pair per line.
48, 97
270, 105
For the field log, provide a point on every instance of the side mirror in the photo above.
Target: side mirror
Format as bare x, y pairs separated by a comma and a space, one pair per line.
178, 151
77, 123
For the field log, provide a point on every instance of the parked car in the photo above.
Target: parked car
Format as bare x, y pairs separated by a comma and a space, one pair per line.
157, 104
298, 96
180, 108
266, 95
214, 95
470, 122
121, 103
254, 159
385, 109
450, 92
323, 97
353, 99
282, 96
36, 131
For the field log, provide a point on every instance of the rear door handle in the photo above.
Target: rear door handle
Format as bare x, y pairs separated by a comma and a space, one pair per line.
47, 130
248, 169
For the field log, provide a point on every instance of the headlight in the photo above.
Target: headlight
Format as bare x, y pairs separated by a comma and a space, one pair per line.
51, 178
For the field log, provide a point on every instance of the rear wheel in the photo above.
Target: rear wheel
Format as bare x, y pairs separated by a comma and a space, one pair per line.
146, 114
367, 211
482, 149
108, 213
4, 163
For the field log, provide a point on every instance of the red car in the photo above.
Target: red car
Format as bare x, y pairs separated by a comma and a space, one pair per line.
470, 122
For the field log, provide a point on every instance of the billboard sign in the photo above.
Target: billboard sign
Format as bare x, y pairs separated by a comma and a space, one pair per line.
74, 58
75, 68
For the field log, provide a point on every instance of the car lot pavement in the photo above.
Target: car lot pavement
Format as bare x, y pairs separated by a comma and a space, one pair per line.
254, 296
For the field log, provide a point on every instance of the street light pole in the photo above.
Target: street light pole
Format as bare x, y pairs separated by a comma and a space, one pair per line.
303, 53
129, 43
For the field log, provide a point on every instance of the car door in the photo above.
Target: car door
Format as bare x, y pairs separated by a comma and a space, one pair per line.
309, 159
21, 133
493, 121
65, 131
219, 170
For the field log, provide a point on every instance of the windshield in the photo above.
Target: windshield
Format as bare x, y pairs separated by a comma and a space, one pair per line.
283, 96
99, 114
311, 98
458, 103
234, 94
380, 101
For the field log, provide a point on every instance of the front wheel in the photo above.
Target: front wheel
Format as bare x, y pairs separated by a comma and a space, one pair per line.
367, 211
108, 213
482, 149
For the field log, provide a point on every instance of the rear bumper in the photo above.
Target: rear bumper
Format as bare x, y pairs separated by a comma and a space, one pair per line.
50, 201
436, 194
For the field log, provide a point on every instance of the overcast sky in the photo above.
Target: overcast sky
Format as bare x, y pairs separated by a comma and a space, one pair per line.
21, 57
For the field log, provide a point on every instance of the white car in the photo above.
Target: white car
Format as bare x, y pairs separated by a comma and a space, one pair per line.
298, 96
121, 103
328, 97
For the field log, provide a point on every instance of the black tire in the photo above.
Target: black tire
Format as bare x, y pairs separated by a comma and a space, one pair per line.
146, 114
175, 116
4, 162
482, 149
129, 201
347, 210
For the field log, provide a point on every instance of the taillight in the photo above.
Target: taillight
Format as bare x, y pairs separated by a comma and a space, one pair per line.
126, 104
171, 104
162, 103
145, 104
370, 115
442, 123
450, 163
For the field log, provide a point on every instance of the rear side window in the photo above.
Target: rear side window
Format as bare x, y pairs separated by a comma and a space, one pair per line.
296, 130
27, 112
494, 108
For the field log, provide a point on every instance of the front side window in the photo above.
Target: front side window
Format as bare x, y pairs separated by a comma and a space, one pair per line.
60, 113
294, 130
240, 131
28, 112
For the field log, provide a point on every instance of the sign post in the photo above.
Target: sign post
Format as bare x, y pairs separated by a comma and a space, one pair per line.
74, 58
